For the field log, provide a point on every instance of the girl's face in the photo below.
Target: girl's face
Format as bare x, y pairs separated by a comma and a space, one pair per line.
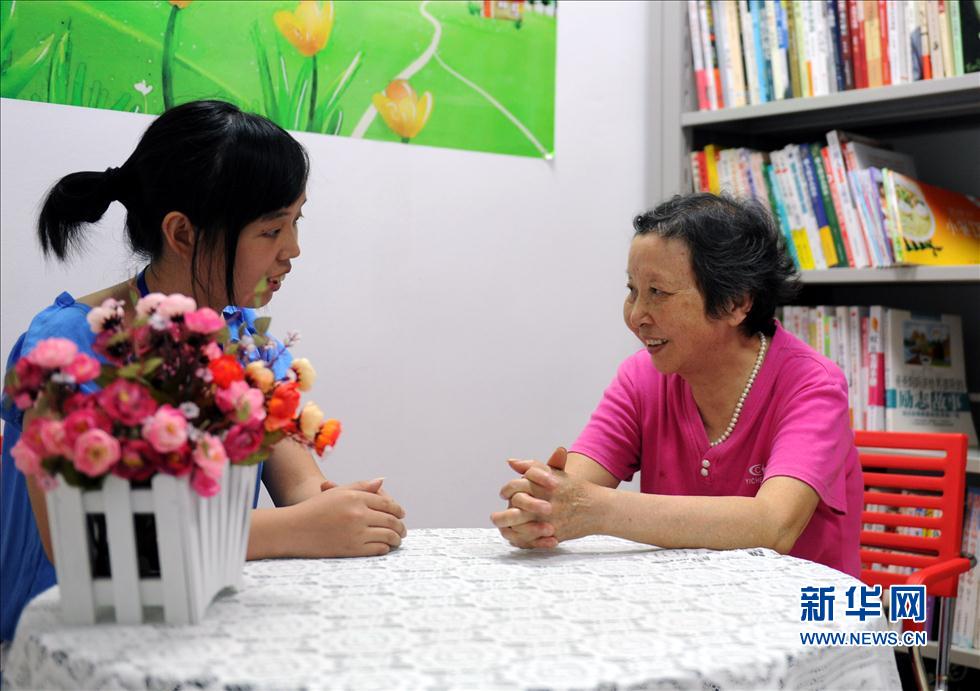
266, 247
664, 307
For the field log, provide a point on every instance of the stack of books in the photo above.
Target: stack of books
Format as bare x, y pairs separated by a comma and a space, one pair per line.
848, 201
754, 51
905, 371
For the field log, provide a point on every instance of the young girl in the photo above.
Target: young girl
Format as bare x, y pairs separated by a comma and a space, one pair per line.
213, 197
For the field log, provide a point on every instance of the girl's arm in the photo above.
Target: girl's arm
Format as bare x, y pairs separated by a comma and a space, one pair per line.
291, 474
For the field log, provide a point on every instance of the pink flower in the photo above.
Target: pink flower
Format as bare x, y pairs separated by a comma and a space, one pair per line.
212, 351
247, 404
127, 401
166, 430
95, 452
26, 459
81, 421
84, 368
242, 441
204, 321
209, 455
148, 304
29, 375
78, 401
52, 353
52, 434
204, 485
23, 401
176, 305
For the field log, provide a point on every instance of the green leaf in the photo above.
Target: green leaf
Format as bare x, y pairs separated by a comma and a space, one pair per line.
299, 98
265, 76
78, 86
262, 324
23, 69
257, 457
337, 90
151, 365
223, 336
121, 103
130, 371
336, 122
107, 375
259, 340
7, 39
59, 67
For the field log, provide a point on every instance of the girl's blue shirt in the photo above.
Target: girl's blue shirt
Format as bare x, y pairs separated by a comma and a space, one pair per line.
24, 568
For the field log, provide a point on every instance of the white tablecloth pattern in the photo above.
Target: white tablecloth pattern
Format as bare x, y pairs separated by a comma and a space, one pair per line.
462, 609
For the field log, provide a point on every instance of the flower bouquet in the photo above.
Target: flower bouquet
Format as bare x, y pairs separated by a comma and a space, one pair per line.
148, 458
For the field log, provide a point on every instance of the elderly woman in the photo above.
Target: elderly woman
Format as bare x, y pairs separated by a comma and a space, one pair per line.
738, 429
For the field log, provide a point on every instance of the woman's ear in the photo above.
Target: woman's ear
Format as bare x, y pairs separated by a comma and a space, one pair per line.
738, 310
179, 234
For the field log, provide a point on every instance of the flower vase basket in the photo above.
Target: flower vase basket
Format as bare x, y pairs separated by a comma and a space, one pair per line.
199, 546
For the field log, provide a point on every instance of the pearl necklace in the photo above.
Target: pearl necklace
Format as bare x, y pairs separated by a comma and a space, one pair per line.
745, 393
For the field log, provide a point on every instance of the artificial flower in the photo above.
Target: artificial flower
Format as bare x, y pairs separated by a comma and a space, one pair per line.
95, 452
148, 304
309, 27
305, 374
128, 402
26, 459
226, 370
204, 321
209, 455
83, 368
204, 484
81, 421
327, 435
166, 430
52, 353
246, 403
107, 316
402, 110
260, 376
242, 441
137, 460
53, 438
282, 406
309, 420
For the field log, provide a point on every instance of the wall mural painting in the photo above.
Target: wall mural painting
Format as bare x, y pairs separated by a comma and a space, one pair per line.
461, 74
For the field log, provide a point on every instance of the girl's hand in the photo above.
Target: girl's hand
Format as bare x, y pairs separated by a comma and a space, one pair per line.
356, 520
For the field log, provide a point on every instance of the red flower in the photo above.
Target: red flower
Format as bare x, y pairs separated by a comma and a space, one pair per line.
81, 421
29, 375
127, 402
138, 461
177, 463
284, 402
226, 370
78, 401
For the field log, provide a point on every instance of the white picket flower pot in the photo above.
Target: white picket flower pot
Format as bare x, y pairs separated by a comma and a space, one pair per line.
201, 544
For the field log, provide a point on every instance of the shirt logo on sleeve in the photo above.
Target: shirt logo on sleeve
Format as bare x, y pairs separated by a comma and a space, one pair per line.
755, 474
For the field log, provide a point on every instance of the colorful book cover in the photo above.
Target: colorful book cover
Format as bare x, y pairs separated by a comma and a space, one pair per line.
711, 163
697, 55
886, 64
847, 59
835, 44
843, 254
875, 410
937, 226
812, 188
776, 202
760, 42
925, 374
709, 55
855, 16
872, 43
792, 52
922, 21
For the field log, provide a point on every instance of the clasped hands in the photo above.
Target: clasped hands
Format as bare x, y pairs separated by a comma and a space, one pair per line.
546, 505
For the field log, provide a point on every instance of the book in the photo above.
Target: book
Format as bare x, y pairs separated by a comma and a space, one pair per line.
936, 226
970, 35
875, 409
925, 374
956, 35
749, 52
697, 55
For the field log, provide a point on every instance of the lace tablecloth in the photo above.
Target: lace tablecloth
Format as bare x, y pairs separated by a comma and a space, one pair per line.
462, 609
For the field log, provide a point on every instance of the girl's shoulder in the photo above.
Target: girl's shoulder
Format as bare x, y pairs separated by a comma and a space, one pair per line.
64, 318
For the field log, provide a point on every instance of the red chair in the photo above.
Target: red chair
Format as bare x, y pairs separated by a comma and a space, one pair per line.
897, 475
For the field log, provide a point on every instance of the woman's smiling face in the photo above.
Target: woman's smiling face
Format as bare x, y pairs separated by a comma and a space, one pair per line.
664, 307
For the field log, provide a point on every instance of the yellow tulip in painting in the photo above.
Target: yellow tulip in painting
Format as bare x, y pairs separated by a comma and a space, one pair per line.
308, 28
402, 110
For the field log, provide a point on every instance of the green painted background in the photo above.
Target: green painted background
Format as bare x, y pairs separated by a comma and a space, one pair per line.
92, 52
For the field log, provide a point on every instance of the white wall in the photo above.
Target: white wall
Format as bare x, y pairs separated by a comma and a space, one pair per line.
460, 308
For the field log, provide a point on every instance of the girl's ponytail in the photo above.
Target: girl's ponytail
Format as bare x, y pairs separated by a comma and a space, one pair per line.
74, 200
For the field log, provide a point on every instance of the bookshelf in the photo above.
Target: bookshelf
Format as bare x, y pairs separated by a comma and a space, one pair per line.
936, 121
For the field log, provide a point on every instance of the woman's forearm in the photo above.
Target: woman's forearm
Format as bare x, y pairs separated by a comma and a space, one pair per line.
689, 522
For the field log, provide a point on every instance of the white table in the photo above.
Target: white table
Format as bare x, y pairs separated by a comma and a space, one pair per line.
462, 609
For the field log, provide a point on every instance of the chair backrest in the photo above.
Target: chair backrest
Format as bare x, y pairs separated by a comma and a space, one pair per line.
913, 504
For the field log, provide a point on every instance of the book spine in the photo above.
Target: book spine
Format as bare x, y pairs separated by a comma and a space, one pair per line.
935, 40
844, 26
798, 235
760, 36
894, 218
876, 369
712, 78
942, 11
797, 178
793, 53
885, 43
819, 212
856, 234
925, 51
872, 42
899, 34
776, 203
720, 32
956, 29
830, 210
697, 55
711, 163
913, 40
856, 16
837, 58
784, 76
735, 54
749, 52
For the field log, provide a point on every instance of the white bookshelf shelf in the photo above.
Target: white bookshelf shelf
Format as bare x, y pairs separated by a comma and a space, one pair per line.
896, 274
900, 102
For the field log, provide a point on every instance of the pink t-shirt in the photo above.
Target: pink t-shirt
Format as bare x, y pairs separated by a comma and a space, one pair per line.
794, 422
